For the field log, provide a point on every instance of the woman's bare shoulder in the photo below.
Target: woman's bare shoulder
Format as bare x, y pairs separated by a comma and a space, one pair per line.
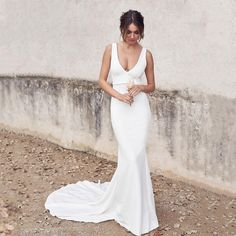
149, 53
149, 56
108, 47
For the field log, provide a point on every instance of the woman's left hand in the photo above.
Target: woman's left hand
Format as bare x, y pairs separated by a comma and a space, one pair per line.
134, 90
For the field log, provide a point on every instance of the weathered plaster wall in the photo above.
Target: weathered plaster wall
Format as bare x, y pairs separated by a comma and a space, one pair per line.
193, 134
193, 41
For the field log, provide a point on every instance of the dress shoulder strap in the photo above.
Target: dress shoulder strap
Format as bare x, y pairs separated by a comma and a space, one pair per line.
144, 55
144, 51
113, 56
113, 51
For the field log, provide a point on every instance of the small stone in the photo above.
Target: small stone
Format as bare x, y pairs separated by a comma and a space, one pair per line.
191, 231
176, 225
1, 203
167, 228
9, 227
3, 212
2, 228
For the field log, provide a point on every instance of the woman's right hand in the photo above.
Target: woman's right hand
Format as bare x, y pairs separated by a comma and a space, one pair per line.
126, 97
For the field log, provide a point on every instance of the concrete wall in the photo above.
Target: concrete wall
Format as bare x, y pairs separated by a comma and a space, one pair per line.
193, 134
193, 41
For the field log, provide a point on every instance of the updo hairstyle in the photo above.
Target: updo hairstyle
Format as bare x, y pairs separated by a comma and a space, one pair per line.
128, 18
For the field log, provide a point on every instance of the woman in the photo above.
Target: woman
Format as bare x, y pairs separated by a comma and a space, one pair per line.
128, 198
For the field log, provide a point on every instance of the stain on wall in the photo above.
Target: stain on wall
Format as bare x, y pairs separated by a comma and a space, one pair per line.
193, 134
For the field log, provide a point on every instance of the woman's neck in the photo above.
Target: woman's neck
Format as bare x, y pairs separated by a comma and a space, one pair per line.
129, 46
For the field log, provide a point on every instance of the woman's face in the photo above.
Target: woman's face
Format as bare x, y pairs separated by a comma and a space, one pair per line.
132, 35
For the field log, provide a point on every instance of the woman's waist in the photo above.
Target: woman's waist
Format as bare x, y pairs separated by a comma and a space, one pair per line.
117, 80
126, 84
123, 87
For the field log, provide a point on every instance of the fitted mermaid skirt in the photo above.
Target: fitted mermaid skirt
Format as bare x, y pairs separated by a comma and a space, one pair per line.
128, 198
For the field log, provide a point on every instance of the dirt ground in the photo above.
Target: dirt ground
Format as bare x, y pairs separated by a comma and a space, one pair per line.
31, 168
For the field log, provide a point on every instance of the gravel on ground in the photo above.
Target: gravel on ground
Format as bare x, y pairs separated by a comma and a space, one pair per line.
31, 168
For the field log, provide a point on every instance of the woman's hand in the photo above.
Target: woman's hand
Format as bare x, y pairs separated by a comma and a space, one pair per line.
126, 97
134, 90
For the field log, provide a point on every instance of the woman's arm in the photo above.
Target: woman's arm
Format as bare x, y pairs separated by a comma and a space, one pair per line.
104, 71
149, 71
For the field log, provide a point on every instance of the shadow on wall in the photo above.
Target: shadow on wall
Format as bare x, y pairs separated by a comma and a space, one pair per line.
193, 134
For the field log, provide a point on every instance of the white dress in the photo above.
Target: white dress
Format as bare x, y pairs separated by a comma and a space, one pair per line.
128, 198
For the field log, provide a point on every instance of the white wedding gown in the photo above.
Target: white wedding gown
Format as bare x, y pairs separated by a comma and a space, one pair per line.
128, 198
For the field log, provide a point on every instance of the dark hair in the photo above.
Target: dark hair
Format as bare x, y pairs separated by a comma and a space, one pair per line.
130, 17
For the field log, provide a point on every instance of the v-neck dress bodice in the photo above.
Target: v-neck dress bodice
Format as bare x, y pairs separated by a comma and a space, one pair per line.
128, 198
120, 76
